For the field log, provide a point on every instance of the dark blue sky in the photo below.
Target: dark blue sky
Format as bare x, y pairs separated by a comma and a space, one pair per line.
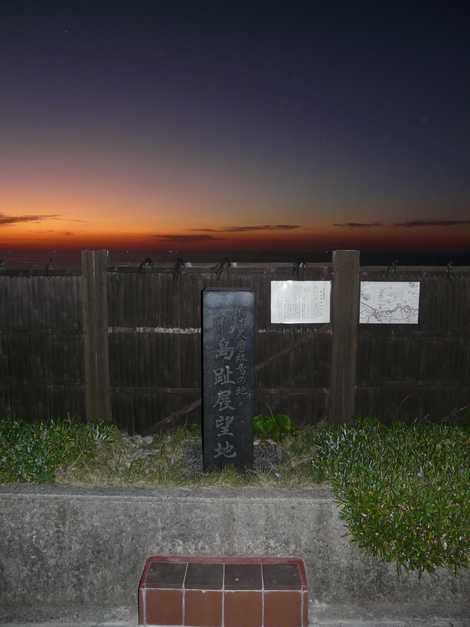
147, 126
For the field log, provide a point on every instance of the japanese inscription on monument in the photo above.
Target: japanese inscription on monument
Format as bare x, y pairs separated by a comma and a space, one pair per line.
300, 302
389, 302
228, 325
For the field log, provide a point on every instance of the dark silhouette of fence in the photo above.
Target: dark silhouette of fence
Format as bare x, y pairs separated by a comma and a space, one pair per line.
123, 344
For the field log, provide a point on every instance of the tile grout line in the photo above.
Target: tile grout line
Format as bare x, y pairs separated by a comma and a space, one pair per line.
184, 595
262, 594
228, 590
223, 594
205, 589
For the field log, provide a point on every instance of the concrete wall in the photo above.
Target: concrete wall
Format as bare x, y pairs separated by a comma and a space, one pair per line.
83, 548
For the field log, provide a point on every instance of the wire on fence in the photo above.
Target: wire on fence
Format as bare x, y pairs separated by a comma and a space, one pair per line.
146, 263
392, 268
220, 267
177, 270
299, 269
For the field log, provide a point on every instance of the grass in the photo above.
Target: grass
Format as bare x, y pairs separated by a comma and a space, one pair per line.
35, 452
130, 461
404, 490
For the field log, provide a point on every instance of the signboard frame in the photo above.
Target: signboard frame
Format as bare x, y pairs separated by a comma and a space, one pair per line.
416, 285
325, 318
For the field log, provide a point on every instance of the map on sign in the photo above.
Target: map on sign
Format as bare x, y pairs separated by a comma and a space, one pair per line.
300, 302
389, 302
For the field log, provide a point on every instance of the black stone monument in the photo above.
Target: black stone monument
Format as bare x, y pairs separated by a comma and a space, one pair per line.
228, 377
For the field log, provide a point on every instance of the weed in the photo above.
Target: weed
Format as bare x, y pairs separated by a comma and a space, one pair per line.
273, 427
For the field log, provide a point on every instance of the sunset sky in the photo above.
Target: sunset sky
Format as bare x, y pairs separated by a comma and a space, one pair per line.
130, 126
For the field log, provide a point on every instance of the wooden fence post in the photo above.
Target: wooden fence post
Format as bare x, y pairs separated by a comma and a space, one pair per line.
95, 329
345, 299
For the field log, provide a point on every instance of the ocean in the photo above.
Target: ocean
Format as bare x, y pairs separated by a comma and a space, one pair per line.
37, 259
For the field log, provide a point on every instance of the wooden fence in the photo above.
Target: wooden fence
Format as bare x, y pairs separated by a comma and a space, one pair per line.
124, 344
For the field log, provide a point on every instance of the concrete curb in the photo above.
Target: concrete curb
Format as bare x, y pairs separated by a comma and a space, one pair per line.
66, 553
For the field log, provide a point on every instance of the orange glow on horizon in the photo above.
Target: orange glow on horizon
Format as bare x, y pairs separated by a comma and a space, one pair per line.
73, 235
68, 215
38, 211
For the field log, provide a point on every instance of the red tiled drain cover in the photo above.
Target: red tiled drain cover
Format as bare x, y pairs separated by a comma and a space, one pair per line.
223, 592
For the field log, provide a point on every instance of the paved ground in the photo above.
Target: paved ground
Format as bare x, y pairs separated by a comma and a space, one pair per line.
320, 616
330, 623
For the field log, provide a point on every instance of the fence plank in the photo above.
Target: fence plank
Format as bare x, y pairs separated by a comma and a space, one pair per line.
405, 372
95, 328
345, 298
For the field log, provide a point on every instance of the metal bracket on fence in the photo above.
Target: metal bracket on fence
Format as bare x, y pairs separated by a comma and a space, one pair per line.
48, 266
392, 268
179, 265
146, 263
299, 269
224, 264
450, 270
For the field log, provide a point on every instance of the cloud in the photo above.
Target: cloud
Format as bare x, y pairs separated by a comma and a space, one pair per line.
56, 232
186, 238
248, 228
411, 224
359, 225
6, 220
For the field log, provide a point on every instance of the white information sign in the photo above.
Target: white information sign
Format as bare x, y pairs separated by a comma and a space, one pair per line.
389, 302
300, 302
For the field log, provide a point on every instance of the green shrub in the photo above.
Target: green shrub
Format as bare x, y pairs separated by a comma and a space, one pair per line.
274, 427
404, 490
34, 451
